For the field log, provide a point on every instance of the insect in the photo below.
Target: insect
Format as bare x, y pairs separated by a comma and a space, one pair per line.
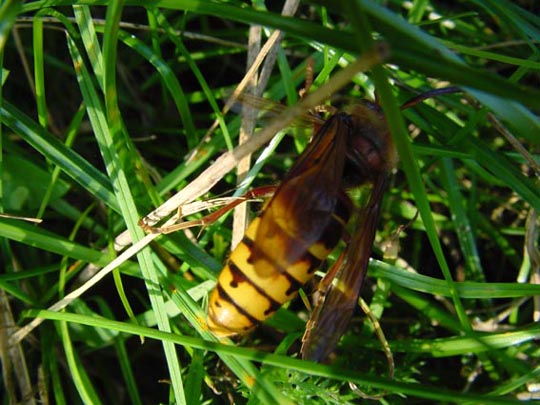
299, 227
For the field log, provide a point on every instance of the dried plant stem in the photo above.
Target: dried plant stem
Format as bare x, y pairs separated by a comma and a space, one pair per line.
255, 86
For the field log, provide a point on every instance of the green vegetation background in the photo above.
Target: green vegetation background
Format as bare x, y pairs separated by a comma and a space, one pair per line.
104, 109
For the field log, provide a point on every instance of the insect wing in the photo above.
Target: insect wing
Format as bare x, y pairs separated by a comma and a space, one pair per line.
298, 215
334, 310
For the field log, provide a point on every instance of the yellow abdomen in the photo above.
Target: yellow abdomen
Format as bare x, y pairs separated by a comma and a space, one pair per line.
249, 290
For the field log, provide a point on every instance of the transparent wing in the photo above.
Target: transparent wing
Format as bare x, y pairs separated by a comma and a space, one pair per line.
296, 217
334, 310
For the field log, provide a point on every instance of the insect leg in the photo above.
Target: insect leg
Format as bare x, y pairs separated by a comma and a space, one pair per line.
209, 219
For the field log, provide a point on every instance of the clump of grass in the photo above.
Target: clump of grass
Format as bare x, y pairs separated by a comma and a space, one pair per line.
105, 114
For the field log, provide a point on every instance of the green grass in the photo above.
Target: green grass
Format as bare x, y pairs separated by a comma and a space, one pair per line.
108, 121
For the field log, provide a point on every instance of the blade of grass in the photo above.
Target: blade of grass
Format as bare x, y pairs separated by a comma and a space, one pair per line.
409, 163
125, 198
412, 48
39, 72
81, 381
59, 154
48, 241
413, 389
462, 225
107, 128
123, 359
465, 289
9, 11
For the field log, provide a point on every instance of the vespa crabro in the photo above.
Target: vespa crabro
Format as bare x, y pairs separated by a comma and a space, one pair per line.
299, 227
